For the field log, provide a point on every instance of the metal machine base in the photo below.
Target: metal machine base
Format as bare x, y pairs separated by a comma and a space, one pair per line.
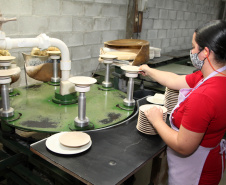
106, 84
8, 113
106, 88
66, 99
54, 80
128, 103
81, 123
54, 83
124, 107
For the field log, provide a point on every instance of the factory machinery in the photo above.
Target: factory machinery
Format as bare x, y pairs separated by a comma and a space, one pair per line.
61, 103
33, 112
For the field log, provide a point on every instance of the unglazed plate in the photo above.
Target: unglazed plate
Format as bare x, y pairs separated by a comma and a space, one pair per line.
53, 144
9, 72
54, 52
153, 100
82, 80
6, 58
145, 107
74, 139
130, 68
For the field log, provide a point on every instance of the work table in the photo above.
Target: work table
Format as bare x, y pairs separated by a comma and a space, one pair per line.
116, 153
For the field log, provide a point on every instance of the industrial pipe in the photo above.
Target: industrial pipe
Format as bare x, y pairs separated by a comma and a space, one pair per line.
43, 42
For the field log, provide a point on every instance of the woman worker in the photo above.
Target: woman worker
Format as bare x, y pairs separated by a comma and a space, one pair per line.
195, 151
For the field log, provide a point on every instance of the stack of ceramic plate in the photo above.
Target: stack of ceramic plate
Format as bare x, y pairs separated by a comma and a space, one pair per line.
69, 142
143, 125
171, 98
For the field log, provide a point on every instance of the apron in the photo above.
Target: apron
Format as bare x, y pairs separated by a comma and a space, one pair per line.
188, 170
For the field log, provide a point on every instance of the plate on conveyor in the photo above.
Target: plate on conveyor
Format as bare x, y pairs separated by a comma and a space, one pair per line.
6, 58
74, 139
53, 144
9, 72
131, 69
82, 80
153, 100
54, 52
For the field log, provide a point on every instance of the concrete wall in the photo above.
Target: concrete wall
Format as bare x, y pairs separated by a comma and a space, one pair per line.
170, 24
84, 25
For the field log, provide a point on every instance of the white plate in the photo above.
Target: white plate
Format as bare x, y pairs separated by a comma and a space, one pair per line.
145, 107
82, 80
54, 52
6, 58
53, 144
106, 56
152, 100
9, 72
130, 68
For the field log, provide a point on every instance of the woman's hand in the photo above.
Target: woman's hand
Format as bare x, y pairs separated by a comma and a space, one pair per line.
154, 115
144, 69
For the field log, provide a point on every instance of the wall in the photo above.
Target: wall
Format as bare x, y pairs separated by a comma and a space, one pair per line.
170, 24
84, 25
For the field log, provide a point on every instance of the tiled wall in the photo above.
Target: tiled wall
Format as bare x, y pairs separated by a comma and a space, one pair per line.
170, 24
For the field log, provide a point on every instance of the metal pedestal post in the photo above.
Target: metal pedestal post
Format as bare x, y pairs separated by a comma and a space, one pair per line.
55, 77
129, 101
6, 111
82, 120
106, 83
5, 66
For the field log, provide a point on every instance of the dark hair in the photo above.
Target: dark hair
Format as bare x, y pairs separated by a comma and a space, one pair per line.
213, 36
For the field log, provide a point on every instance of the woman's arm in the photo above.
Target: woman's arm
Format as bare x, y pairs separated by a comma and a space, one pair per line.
168, 79
184, 142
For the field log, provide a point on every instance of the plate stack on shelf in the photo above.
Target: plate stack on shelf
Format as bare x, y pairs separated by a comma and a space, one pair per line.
171, 97
143, 125
69, 142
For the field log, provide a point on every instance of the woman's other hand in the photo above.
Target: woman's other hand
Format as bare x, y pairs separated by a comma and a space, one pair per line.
154, 115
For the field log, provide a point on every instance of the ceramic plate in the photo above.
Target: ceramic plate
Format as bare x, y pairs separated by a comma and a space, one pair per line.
146, 128
6, 58
145, 132
9, 72
82, 80
74, 139
172, 91
108, 56
54, 52
53, 144
151, 99
171, 95
130, 68
148, 106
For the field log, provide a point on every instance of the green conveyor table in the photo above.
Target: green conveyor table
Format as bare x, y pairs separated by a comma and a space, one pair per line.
39, 113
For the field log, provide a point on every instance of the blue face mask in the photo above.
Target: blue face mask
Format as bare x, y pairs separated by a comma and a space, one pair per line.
197, 63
